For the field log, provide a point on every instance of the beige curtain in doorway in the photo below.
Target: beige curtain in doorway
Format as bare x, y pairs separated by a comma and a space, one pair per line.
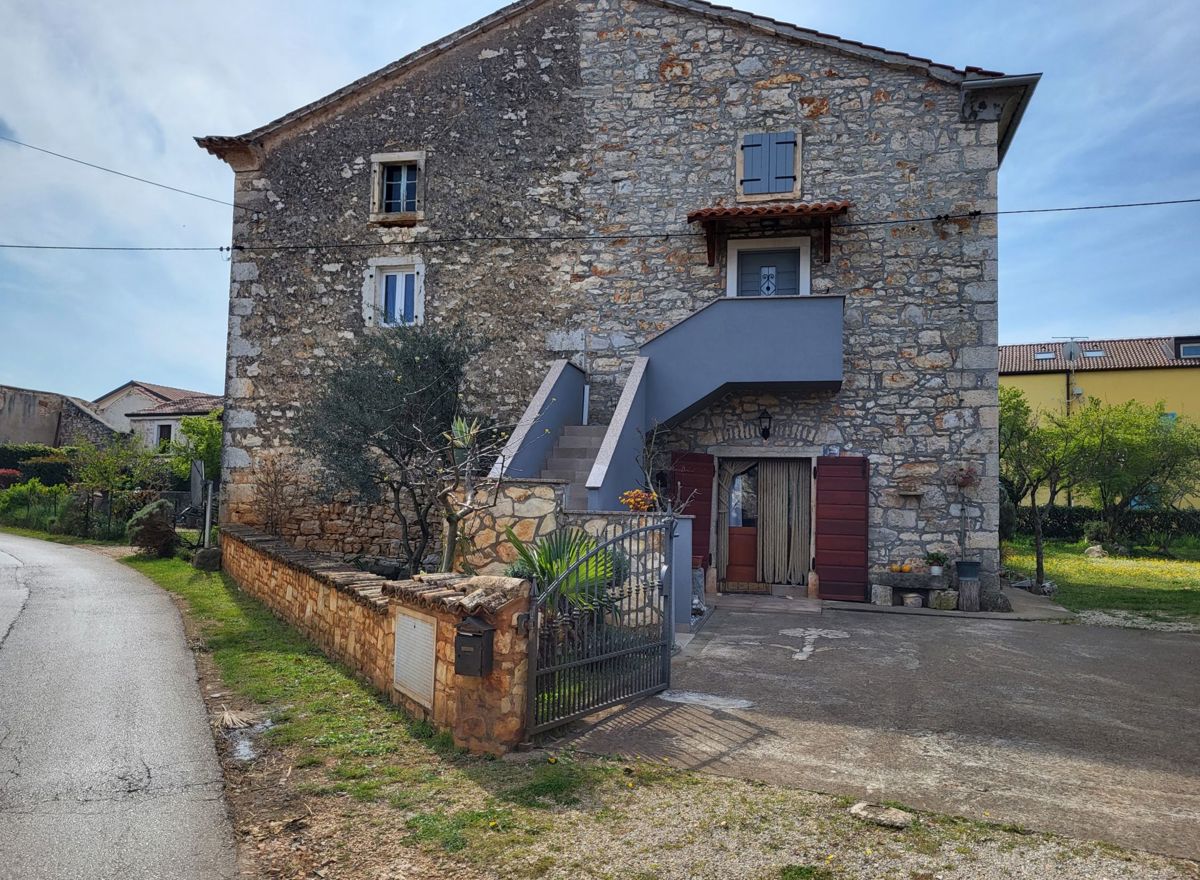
726, 471
784, 487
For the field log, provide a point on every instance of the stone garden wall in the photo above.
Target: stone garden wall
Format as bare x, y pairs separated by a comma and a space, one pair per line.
350, 615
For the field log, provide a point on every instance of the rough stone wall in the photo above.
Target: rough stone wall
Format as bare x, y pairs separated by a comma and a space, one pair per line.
614, 119
350, 627
531, 508
76, 425
29, 416
350, 615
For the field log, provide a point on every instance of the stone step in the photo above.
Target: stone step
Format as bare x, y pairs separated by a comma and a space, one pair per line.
569, 474
562, 453
579, 441
584, 430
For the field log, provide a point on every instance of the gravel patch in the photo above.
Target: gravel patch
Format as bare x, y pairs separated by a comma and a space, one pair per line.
1133, 620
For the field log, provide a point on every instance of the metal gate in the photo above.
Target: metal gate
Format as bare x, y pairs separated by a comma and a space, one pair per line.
600, 634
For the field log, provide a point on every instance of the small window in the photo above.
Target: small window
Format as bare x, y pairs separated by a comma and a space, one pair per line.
1093, 353
397, 188
164, 435
768, 165
1189, 350
1043, 356
398, 297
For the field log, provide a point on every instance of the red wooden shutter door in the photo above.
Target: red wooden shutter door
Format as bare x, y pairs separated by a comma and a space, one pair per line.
692, 475
841, 525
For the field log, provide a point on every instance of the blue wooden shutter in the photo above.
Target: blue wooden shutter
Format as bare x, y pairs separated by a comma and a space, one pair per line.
754, 164
389, 299
410, 298
781, 148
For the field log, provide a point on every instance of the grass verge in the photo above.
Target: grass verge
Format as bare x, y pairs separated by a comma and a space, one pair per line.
1147, 586
56, 538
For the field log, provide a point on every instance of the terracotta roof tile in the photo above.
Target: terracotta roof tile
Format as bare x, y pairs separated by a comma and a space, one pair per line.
1119, 354
195, 405
793, 209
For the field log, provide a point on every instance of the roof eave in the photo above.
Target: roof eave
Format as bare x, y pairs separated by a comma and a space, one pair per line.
1016, 92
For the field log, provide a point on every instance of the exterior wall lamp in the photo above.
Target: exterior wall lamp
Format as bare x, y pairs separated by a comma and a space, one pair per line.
764, 424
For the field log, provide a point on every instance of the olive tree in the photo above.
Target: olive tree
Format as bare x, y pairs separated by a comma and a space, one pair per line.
388, 425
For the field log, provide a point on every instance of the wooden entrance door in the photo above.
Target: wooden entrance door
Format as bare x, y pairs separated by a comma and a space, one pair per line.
692, 478
843, 502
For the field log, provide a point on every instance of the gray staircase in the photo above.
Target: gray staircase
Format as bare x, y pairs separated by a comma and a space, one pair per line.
572, 459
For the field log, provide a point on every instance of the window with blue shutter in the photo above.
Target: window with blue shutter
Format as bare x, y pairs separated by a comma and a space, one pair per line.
399, 298
768, 163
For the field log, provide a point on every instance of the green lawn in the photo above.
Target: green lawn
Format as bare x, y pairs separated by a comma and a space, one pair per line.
1145, 585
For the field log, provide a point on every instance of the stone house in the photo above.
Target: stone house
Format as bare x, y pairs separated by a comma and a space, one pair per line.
161, 423
770, 249
53, 419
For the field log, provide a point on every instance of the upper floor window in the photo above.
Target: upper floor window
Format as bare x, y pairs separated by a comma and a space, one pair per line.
164, 436
397, 188
768, 166
1189, 349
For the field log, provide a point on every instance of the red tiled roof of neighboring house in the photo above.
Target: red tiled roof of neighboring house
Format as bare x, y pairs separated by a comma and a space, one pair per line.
218, 145
195, 405
794, 209
1142, 353
162, 392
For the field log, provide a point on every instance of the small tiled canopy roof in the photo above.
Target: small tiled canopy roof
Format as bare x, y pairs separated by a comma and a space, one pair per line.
196, 405
751, 212
1119, 354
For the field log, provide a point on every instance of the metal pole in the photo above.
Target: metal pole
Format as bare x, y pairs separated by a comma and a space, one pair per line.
208, 516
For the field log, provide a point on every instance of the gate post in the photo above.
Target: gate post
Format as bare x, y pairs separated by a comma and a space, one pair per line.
681, 575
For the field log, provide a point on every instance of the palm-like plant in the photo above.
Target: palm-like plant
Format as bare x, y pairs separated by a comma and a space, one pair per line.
572, 555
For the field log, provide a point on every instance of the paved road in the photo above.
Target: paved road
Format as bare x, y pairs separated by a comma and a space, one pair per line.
1087, 731
107, 766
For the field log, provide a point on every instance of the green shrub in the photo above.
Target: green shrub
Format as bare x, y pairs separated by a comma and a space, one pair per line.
152, 529
1095, 532
1008, 517
52, 470
12, 454
1060, 523
32, 505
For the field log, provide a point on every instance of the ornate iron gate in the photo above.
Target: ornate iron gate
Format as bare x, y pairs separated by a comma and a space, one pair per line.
600, 634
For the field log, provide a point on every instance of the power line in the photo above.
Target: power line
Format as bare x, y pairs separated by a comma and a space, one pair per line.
286, 246
121, 173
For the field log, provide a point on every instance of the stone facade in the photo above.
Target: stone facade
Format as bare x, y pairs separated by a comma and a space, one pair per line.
594, 127
531, 508
351, 616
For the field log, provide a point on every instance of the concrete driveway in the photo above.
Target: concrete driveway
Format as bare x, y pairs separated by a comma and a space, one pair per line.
107, 765
1086, 731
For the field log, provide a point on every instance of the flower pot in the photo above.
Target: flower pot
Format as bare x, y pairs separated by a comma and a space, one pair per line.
935, 570
967, 569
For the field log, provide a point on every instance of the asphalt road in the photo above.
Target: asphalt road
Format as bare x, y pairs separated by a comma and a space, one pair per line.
107, 765
1087, 731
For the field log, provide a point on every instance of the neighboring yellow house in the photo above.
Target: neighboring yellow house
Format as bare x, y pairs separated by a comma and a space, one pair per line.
1147, 370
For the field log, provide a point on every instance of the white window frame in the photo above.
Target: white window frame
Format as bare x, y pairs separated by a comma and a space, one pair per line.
737, 245
381, 161
373, 288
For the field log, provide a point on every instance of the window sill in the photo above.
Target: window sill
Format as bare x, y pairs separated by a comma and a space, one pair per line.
793, 196
405, 218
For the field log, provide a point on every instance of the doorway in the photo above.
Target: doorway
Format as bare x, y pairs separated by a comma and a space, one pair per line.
764, 523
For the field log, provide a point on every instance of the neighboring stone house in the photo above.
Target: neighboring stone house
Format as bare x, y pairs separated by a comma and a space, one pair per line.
775, 244
161, 423
54, 419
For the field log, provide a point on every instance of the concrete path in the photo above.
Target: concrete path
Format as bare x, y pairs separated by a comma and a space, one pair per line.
1086, 731
107, 765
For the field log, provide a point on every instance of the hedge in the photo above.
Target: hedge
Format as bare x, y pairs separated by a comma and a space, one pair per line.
52, 470
12, 454
1066, 523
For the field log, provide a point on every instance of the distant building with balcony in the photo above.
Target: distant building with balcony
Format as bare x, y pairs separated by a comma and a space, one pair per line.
769, 250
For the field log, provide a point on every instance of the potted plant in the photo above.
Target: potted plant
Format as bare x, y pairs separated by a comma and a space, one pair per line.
936, 560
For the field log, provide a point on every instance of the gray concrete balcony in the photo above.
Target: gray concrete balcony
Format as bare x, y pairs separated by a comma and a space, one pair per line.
743, 343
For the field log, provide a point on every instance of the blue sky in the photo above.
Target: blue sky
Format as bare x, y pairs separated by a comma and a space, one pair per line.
127, 84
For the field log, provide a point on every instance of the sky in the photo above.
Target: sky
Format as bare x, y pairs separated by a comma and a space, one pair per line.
127, 84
